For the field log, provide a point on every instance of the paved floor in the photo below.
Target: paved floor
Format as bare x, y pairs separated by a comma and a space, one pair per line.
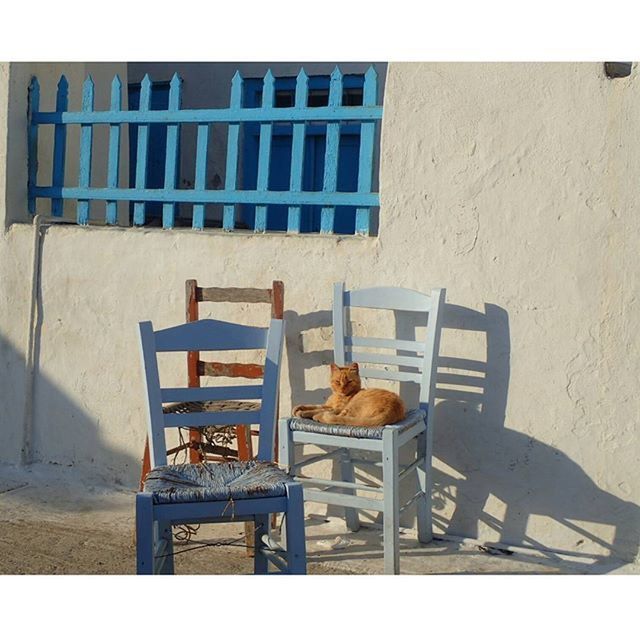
54, 521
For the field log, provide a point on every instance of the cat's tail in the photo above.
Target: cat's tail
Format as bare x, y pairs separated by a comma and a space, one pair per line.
328, 417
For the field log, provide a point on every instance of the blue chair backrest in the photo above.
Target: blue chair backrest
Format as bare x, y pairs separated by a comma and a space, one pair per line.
211, 335
420, 357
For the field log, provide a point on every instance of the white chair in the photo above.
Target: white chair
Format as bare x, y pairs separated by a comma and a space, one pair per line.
418, 364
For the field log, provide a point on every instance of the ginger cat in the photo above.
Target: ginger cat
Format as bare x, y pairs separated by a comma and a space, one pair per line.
351, 405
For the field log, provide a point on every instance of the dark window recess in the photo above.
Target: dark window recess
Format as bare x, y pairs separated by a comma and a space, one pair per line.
316, 98
284, 98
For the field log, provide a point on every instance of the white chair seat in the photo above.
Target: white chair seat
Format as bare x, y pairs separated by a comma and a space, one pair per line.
372, 433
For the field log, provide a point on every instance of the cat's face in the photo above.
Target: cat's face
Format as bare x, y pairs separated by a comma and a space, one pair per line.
345, 380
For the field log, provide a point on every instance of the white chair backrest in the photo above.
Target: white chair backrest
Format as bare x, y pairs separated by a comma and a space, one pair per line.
211, 335
422, 355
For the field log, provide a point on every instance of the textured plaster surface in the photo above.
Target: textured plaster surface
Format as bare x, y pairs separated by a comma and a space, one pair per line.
512, 185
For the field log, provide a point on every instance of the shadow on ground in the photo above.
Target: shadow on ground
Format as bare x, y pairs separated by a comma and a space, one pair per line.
57, 418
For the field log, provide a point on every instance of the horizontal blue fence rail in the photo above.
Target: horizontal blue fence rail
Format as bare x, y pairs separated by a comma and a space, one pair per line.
281, 114
300, 116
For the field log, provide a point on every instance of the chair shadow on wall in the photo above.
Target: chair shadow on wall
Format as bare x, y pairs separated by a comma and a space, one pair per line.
299, 360
529, 477
486, 457
56, 416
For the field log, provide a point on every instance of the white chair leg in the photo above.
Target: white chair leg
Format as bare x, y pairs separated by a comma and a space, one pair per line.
295, 538
391, 514
260, 562
285, 445
144, 533
423, 472
347, 475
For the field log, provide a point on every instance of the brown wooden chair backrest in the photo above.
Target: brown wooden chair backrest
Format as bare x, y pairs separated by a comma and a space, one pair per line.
195, 295
196, 368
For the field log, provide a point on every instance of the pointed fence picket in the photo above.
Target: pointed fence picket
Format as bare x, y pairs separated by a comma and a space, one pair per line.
139, 208
235, 116
113, 169
86, 141
228, 220
330, 185
264, 154
297, 151
59, 146
171, 161
367, 138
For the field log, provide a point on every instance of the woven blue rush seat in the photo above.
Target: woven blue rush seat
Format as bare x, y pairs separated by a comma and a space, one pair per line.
234, 480
303, 424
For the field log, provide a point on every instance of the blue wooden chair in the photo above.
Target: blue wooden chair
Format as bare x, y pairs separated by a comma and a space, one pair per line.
248, 490
417, 364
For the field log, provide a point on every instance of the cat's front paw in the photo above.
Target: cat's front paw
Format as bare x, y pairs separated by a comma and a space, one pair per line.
297, 410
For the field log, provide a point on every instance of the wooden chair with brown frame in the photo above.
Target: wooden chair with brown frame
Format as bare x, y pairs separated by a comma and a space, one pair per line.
212, 443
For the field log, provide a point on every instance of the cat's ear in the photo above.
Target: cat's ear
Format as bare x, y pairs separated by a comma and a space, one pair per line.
354, 366
334, 367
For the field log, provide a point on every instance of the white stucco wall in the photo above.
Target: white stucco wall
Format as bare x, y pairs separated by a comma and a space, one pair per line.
512, 185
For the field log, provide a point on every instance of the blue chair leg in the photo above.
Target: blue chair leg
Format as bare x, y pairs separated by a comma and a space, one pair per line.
165, 533
260, 562
423, 471
144, 533
347, 475
391, 513
295, 537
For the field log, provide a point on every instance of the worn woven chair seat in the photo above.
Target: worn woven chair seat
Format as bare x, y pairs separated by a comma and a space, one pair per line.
233, 480
305, 424
211, 405
214, 433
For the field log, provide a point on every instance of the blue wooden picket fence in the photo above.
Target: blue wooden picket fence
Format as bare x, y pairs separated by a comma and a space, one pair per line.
298, 116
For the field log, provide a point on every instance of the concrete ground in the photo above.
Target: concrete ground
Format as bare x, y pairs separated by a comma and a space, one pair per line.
54, 521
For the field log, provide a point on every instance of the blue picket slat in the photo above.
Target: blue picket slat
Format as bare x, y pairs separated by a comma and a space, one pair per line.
59, 146
86, 140
365, 163
264, 153
171, 160
202, 144
229, 211
330, 183
32, 158
139, 208
297, 151
113, 168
